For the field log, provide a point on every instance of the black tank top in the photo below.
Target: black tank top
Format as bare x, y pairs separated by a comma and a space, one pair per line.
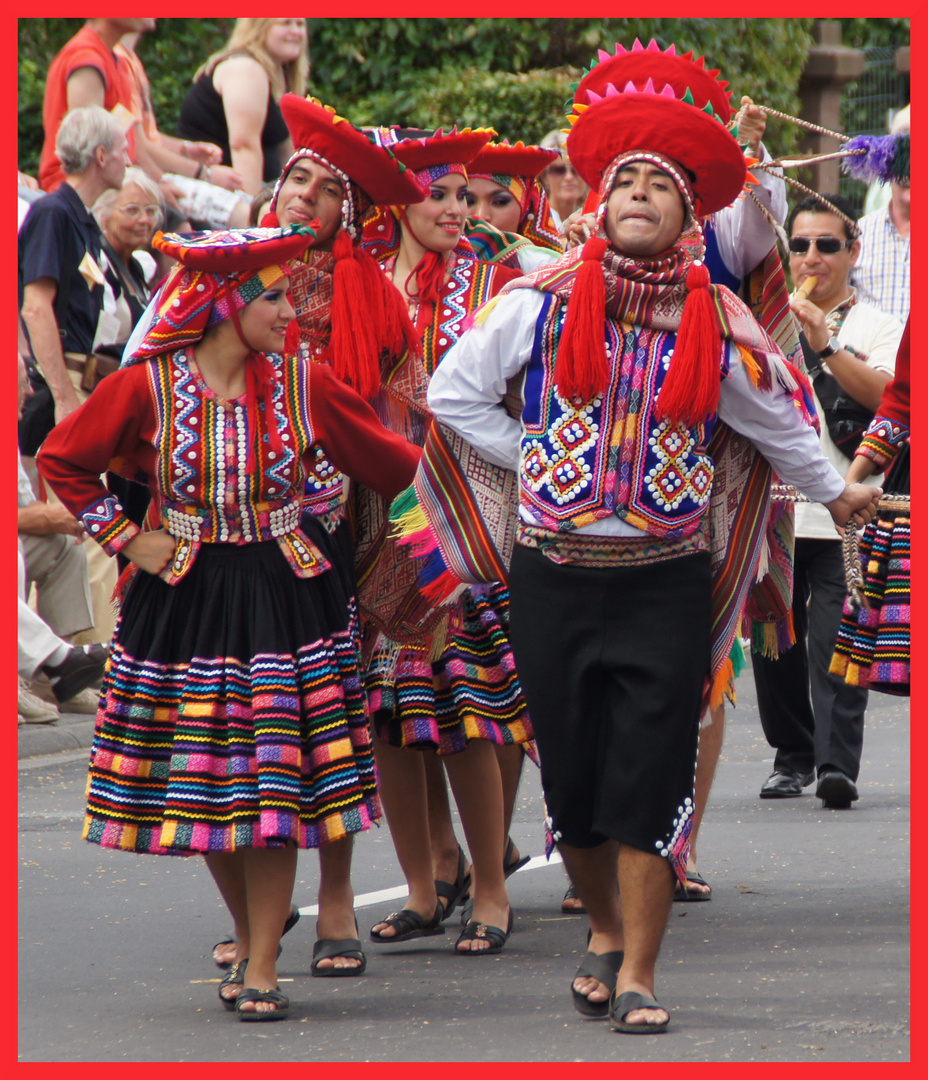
202, 119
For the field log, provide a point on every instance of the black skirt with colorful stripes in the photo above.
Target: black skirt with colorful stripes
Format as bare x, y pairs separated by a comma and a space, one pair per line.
233, 713
471, 692
873, 649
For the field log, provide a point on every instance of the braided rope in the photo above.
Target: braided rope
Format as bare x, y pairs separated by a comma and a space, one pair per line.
804, 123
851, 223
850, 545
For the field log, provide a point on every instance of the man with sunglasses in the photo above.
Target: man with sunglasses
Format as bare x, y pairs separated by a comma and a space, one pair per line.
813, 719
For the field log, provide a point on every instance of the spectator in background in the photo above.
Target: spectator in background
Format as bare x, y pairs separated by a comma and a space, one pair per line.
813, 719
208, 193
128, 218
84, 72
882, 271
566, 191
50, 558
60, 277
234, 100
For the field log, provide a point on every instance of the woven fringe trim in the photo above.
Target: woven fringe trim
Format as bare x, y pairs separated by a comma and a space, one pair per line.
410, 528
770, 639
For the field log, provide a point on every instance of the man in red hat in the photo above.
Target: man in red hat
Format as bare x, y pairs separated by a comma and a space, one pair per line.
647, 393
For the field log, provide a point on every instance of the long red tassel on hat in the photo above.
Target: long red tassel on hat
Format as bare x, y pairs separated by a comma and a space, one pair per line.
581, 370
368, 318
690, 393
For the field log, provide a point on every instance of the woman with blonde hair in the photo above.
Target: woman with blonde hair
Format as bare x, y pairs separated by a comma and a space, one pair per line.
234, 100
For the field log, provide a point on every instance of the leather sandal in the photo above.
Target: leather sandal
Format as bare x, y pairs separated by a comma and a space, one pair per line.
605, 968
292, 919
628, 1002
482, 931
572, 909
510, 863
454, 893
329, 949
410, 924
274, 996
235, 977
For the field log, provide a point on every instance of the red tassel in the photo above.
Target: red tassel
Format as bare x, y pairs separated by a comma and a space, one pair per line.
352, 351
690, 393
581, 370
388, 313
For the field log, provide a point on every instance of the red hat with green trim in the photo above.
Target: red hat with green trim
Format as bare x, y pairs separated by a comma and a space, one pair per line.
649, 99
377, 172
503, 159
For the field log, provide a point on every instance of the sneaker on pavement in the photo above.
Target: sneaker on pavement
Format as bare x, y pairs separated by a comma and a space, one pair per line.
32, 709
83, 665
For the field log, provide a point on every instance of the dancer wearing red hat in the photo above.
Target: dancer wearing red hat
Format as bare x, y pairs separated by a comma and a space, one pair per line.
455, 695
232, 721
640, 500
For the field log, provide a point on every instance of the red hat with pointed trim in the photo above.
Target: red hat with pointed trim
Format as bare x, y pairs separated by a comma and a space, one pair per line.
663, 67
613, 114
423, 152
376, 171
501, 159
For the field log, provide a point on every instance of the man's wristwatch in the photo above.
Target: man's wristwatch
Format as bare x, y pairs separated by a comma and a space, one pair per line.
830, 349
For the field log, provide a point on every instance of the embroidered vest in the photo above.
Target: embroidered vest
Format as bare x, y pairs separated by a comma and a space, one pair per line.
611, 455
206, 494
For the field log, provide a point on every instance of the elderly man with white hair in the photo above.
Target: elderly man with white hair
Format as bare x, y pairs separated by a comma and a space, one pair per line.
60, 279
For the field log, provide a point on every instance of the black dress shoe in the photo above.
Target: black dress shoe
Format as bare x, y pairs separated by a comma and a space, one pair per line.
785, 784
81, 667
836, 790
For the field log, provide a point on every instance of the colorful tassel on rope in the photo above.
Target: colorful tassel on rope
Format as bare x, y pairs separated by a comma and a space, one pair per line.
887, 158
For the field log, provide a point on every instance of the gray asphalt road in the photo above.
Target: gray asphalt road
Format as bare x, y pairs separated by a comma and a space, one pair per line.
802, 954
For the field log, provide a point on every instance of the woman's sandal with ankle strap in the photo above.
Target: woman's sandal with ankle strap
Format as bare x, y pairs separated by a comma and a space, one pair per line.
410, 924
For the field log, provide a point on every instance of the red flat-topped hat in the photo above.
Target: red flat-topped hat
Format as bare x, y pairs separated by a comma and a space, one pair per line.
663, 67
377, 172
503, 159
418, 149
648, 113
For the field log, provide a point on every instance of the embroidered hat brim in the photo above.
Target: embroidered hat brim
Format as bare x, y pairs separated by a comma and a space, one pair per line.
234, 251
624, 122
453, 148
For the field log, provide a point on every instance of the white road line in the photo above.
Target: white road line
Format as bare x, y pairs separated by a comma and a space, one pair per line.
382, 895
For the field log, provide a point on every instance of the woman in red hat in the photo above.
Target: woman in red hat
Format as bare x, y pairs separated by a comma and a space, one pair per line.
504, 194
232, 722
457, 694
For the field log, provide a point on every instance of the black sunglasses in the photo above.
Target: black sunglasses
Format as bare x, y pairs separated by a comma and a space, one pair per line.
824, 245
561, 170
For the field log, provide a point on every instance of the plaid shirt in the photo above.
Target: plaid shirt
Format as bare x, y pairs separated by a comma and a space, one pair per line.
882, 271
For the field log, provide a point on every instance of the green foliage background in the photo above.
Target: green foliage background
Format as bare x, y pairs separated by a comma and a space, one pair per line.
511, 74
